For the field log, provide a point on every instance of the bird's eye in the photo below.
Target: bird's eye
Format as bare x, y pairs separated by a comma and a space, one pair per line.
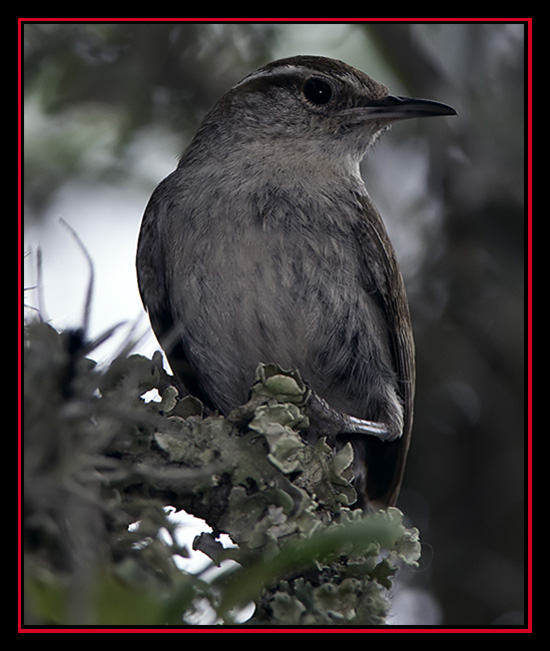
317, 91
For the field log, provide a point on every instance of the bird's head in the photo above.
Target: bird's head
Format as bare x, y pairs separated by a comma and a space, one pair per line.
311, 104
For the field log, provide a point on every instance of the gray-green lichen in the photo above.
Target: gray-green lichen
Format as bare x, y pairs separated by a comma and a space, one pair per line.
287, 498
102, 465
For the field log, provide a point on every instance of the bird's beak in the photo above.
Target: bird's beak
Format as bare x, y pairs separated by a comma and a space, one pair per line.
401, 108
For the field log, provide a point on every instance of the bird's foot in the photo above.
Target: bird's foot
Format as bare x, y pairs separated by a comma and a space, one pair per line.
328, 421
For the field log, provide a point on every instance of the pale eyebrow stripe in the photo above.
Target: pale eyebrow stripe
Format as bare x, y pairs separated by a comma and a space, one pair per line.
271, 72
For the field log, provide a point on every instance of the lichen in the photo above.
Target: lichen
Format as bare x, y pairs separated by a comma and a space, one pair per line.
103, 466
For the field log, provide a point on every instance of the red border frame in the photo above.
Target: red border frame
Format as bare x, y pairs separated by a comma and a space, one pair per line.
206, 629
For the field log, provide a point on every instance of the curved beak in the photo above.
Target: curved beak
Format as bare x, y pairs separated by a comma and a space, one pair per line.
402, 108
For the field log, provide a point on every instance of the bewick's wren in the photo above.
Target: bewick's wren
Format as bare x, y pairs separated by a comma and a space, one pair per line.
264, 246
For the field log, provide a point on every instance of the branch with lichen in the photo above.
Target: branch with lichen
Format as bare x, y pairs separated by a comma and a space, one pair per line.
101, 466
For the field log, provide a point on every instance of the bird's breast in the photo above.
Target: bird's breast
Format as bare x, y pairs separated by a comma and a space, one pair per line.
270, 289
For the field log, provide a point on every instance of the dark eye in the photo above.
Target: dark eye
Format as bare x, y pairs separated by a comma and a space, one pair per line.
317, 91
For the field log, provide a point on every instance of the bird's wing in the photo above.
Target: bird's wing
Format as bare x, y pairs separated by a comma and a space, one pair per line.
386, 460
152, 279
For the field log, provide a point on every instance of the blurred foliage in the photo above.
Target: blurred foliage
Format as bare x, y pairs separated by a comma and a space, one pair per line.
101, 466
451, 192
96, 86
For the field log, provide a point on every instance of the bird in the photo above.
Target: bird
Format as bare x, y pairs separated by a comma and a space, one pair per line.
264, 246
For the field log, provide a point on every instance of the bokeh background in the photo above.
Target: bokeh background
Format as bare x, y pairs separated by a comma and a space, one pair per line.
109, 107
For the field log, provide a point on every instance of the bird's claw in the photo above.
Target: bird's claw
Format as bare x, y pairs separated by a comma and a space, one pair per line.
369, 427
